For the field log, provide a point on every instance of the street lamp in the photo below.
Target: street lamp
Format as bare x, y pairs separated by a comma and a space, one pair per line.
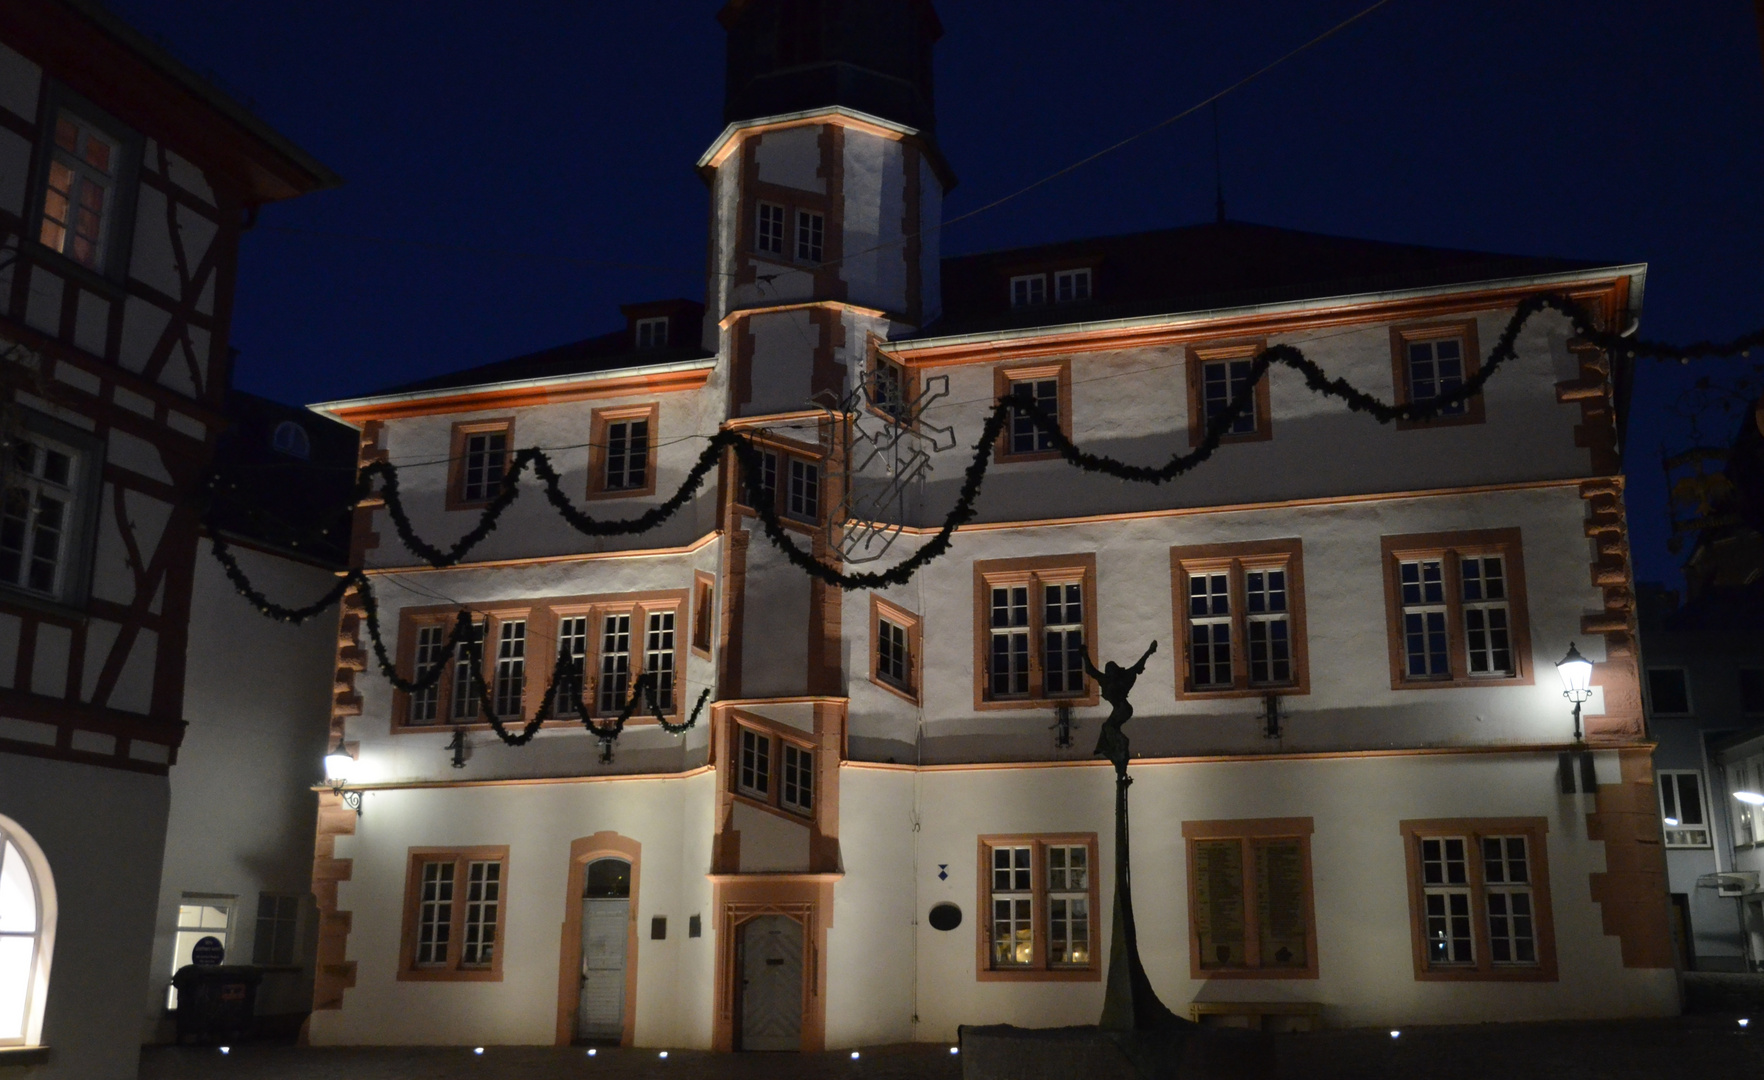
1576, 672
337, 765
1750, 798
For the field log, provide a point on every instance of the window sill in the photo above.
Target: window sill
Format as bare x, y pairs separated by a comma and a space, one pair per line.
23, 1055
1541, 973
1475, 416
1257, 973
1459, 683
1212, 694
1004, 458
602, 494
423, 975
993, 704
111, 287
13, 596
893, 688
1090, 974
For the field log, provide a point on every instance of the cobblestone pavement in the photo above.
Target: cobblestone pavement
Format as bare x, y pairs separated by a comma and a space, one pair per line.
1705, 1048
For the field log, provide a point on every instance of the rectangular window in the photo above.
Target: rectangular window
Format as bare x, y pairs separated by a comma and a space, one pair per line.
658, 659
1251, 912
769, 236
766, 483
1029, 290
199, 916
1430, 362
480, 457
435, 915
425, 704
891, 652
1681, 808
1222, 382
572, 659
799, 779
1033, 621
509, 689
627, 454
804, 502
811, 231
615, 663
278, 930
454, 917
1669, 691
1072, 286
1240, 617
39, 515
486, 455
1023, 434
80, 194
703, 611
1039, 896
1062, 638
652, 333
468, 658
1456, 606
621, 451
1436, 368
756, 764
888, 389
482, 907
894, 648
1479, 899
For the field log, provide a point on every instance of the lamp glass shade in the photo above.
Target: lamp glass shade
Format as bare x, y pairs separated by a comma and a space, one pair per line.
1749, 797
1576, 672
337, 766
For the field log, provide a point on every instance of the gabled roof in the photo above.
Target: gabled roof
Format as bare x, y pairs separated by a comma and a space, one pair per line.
608, 352
1201, 267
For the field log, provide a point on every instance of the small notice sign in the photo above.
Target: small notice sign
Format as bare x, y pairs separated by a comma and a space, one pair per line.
208, 952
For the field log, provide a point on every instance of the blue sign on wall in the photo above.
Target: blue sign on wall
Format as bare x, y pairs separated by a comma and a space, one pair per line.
208, 952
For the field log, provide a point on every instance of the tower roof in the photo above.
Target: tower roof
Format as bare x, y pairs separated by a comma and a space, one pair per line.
791, 56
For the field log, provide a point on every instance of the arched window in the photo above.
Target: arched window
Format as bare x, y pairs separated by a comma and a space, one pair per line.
27, 932
291, 439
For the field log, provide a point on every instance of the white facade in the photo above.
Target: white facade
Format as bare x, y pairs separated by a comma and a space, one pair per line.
917, 779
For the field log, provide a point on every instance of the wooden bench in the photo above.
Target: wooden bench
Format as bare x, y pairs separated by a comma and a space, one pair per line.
1256, 1015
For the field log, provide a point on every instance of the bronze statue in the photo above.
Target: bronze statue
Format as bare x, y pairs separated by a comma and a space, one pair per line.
1115, 682
1129, 1002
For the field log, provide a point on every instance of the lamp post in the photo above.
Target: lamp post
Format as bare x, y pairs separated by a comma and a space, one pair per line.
1576, 672
337, 765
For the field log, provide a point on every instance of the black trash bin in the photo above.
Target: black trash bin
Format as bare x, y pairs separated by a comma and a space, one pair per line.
216, 1004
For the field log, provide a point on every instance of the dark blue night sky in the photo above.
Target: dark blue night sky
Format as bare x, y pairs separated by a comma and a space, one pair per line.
502, 160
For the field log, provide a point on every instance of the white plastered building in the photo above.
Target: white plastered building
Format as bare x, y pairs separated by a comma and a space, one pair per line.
1411, 836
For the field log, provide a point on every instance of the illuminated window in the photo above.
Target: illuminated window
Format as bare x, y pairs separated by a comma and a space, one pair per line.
1681, 808
26, 910
1039, 895
80, 194
199, 916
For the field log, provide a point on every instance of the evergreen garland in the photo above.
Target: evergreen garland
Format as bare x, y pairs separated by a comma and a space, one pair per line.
747, 455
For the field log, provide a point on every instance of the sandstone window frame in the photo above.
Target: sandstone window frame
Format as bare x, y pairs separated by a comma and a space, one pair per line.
779, 452
453, 970
775, 739
600, 484
1237, 559
1404, 335
1450, 548
1247, 832
1040, 968
1198, 358
1475, 830
461, 492
909, 686
1004, 380
704, 613
1034, 572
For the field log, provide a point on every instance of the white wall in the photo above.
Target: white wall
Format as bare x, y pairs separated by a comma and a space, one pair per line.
103, 834
670, 818
257, 703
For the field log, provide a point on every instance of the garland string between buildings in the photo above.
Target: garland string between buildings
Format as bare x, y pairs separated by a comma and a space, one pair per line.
462, 641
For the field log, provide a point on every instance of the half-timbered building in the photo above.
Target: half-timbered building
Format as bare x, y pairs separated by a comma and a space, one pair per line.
126, 183
1358, 794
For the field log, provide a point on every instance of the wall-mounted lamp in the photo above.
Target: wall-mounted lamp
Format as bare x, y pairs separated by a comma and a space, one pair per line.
337, 766
1271, 716
1750, 798
1576, 672
458, 746
1062, 725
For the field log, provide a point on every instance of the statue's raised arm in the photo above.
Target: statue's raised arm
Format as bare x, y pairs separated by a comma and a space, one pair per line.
1139, 668
1090, 668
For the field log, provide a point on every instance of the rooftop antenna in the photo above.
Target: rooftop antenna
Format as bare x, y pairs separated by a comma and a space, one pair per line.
1218, 172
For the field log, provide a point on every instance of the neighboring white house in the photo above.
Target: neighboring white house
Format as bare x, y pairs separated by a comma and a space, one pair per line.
238, 847
1407, 839
125, 183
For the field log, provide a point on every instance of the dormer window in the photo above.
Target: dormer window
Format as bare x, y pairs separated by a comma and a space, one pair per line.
1072, 286
1029, 290
652, 333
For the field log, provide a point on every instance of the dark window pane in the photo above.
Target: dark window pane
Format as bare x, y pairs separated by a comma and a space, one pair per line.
1666, 687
